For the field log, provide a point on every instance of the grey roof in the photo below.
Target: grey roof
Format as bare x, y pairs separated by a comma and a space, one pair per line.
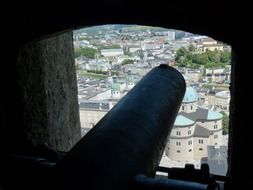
218, 167
201, 131
217, 153
217, 160
200, 114
94, 105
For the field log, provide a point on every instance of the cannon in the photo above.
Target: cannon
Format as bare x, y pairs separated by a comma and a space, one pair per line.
130, 139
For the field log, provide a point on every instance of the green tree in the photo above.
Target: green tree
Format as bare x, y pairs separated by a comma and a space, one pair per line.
191, 48
127, 61
225, 123
213, 56
87, 52
181, 57
181, 52
185, 57
225, 57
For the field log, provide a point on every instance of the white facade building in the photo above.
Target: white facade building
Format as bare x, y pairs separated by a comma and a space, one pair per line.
112, 52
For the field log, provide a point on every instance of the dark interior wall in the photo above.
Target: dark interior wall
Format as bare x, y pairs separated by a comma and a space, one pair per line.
48, 83
225, 21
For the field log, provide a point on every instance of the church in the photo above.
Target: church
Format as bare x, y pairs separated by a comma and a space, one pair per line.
195, 129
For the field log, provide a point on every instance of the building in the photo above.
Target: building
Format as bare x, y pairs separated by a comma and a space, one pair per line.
218, 75
195, 128
94, 109
91, 112
171, 35
193, 75
112, 52
210, 44
222, 99
219, 99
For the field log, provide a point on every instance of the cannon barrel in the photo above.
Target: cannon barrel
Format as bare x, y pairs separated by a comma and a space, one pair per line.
130, 139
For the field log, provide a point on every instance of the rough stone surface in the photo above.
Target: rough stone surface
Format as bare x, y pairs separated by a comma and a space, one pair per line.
48, 83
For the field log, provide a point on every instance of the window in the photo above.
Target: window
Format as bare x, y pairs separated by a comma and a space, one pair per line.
119, 72
215, 136
178, 151
200, 149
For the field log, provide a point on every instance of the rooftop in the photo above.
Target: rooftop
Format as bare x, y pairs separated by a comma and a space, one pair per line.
201, 132
213, 115
190, 95
94, 105
183, 121
202, 114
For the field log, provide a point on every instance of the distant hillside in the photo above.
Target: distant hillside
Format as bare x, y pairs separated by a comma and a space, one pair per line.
140, 27
101, 28
124, 27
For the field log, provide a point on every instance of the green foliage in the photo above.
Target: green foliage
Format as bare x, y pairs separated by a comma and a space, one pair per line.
181, 52
185, 57
128, 54
225, 123
112, 46
191, 48
87, 52
90, 74
127, 61
97, 72
225, 57
181, 57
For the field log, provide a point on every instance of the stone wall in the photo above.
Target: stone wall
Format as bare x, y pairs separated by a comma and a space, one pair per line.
49, 90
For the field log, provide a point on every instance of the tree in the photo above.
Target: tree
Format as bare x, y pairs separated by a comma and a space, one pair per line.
185, 57
213, 56
191, 48
181, 52
127, 61
87, 52
225, 57
181, 57
225, 123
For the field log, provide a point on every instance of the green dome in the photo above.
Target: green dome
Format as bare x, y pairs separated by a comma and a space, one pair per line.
213, 115
190, 95
182, 121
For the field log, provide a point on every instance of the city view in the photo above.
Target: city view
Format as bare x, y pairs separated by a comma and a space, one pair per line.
111, 59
